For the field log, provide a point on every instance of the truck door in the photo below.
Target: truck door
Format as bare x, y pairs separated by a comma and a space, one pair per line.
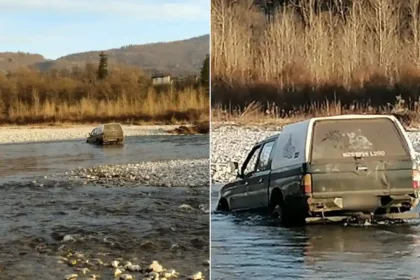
257, 194
239, 197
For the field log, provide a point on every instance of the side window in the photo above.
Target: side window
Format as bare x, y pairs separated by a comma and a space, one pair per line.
265, 156
251, 165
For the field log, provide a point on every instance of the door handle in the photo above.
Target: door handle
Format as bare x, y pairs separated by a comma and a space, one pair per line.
261, 180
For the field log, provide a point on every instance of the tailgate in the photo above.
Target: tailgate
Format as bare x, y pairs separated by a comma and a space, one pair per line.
112, 131
374, 177
365, 155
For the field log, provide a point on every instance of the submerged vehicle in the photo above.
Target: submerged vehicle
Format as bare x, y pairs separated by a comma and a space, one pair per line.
107, 134
329, 169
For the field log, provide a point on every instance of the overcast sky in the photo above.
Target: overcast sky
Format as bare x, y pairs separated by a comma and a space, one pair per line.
55, 28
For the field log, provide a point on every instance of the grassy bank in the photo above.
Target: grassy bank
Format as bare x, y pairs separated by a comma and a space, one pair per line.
33, 97
166, 107
308, 61
256, 113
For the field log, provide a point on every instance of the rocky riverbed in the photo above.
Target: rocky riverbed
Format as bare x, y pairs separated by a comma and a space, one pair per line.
172, 173
38, 134
232, 143
62, 229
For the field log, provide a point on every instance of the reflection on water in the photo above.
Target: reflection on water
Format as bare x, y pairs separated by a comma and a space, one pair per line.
52, 157
253, 246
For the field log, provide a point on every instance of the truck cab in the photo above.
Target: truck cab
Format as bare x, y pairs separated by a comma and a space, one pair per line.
329, 168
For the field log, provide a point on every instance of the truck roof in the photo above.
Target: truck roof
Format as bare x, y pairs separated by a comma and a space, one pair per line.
344, 117
340, 117
268, 139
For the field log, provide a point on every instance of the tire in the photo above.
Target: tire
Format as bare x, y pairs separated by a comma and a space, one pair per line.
286, 216
222, 206
280, 213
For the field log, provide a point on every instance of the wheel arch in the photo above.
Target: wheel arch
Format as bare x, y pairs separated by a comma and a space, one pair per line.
223, 204
276, 196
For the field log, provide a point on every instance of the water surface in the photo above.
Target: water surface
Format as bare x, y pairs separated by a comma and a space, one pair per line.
23, 160
252, 246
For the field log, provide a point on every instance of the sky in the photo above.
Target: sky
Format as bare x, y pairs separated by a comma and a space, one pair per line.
54, 28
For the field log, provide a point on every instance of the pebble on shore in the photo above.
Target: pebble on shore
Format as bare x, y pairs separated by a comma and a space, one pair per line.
173, 173
154, 271
28, 134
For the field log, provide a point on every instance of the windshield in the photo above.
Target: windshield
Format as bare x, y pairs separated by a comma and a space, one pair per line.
357, 138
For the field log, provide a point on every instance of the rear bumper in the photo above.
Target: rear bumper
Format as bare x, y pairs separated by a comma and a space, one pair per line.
113, 140
365, 203
342, 218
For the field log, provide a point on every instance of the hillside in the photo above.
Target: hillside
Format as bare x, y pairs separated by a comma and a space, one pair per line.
9, 61
177, 58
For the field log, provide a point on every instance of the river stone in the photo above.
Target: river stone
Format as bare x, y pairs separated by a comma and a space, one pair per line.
70, 276
156, 267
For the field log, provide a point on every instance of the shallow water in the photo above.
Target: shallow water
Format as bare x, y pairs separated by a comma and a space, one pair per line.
251, 246
117, 222
136, 223
19, 161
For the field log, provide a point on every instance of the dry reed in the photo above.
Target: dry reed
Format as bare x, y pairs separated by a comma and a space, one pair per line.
359, 57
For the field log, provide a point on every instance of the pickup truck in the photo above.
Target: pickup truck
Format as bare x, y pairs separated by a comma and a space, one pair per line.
106, 134
329, 169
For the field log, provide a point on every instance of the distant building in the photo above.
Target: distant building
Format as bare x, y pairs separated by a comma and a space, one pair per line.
161, 79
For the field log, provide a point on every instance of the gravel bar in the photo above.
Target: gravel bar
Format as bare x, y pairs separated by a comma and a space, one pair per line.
173, 173
34, 134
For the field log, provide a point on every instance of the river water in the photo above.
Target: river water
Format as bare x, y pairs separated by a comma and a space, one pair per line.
252, 246
139, 224
25, 160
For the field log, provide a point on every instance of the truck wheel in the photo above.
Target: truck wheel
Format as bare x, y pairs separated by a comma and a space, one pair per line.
222, 205
280, 213
285, 215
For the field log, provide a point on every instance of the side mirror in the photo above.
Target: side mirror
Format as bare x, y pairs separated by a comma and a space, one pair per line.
234, 169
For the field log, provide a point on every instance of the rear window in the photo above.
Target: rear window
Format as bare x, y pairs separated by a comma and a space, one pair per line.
113, 127
365, 138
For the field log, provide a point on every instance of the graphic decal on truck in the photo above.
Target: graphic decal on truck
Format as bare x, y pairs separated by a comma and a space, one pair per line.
289, 149
357, 141
365, 154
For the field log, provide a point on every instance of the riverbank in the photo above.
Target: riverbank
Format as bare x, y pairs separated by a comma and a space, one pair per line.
21, 134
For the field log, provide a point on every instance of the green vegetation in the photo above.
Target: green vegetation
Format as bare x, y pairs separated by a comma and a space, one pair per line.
205, 72
103, 66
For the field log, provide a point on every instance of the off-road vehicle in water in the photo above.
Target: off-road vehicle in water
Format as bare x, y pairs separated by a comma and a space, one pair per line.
329, 169
110, 133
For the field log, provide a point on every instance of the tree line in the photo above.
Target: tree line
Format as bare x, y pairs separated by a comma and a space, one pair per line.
295, 54
61, 92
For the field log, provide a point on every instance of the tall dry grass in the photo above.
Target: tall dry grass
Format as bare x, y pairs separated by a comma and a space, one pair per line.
30, 96
367, 53
165, 107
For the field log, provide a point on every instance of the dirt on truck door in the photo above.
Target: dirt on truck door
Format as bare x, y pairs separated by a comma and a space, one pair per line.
359, 160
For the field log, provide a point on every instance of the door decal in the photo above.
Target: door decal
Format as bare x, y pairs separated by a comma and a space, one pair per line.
289, 149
